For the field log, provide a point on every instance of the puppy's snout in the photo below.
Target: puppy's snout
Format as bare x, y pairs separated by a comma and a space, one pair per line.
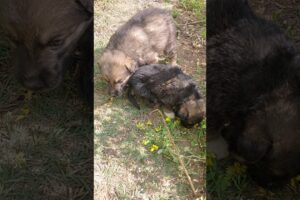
39, 80
33, 83
115, 92
117, 89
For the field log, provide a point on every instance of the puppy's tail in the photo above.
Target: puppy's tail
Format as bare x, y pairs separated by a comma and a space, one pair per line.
132, 99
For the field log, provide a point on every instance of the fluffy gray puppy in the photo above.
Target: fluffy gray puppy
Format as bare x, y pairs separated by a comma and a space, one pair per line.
140, 41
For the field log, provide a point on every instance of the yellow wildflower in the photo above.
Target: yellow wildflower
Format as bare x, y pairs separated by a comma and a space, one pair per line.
149, 123
145, 142
168, 120
158, 129
210, 159
140, 125
153, 148
295, 182
177, 122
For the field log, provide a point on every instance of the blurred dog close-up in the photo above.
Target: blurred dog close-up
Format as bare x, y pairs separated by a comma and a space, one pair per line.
253, 97
46, 59
47, 36
140, 41
168, 86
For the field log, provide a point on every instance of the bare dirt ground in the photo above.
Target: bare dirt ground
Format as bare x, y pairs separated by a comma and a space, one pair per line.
124, 167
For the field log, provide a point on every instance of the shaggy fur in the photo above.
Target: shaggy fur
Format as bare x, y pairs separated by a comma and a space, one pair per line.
140, 41
270, 140
222, 15
46, 34
168, 86
249, 61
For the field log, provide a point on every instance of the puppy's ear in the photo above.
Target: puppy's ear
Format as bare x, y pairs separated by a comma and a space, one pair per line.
104, 78
130, 65
72, 40
87, 5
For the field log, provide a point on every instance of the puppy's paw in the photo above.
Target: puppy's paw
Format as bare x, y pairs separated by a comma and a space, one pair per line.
218, 146
169, 113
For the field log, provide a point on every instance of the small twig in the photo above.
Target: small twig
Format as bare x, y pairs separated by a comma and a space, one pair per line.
177, 153
190, 23
194, 23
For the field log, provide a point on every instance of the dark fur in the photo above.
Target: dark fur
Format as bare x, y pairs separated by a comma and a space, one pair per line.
271, 136
249, 61
168, 86
222, 15
148, 34
46, 34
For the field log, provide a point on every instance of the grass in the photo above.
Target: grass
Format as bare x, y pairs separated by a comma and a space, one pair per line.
45, 140
222, 181
199, 9
195, 6
158, 141
228, 179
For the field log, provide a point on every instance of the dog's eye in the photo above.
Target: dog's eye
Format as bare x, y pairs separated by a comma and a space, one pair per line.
55, 43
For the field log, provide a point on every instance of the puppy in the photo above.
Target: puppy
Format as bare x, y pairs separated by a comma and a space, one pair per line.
168, 86
140, 41
269, 140
253, 91
46, 35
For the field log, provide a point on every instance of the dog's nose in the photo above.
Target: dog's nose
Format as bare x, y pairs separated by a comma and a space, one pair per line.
39, 80
115, 93
33, 83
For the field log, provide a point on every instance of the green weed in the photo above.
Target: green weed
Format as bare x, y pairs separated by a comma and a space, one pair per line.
196, 6
158, 141
175, 13
222, 181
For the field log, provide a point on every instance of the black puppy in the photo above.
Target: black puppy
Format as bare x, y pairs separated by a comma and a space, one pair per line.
168, 86
249, 62
47, 36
